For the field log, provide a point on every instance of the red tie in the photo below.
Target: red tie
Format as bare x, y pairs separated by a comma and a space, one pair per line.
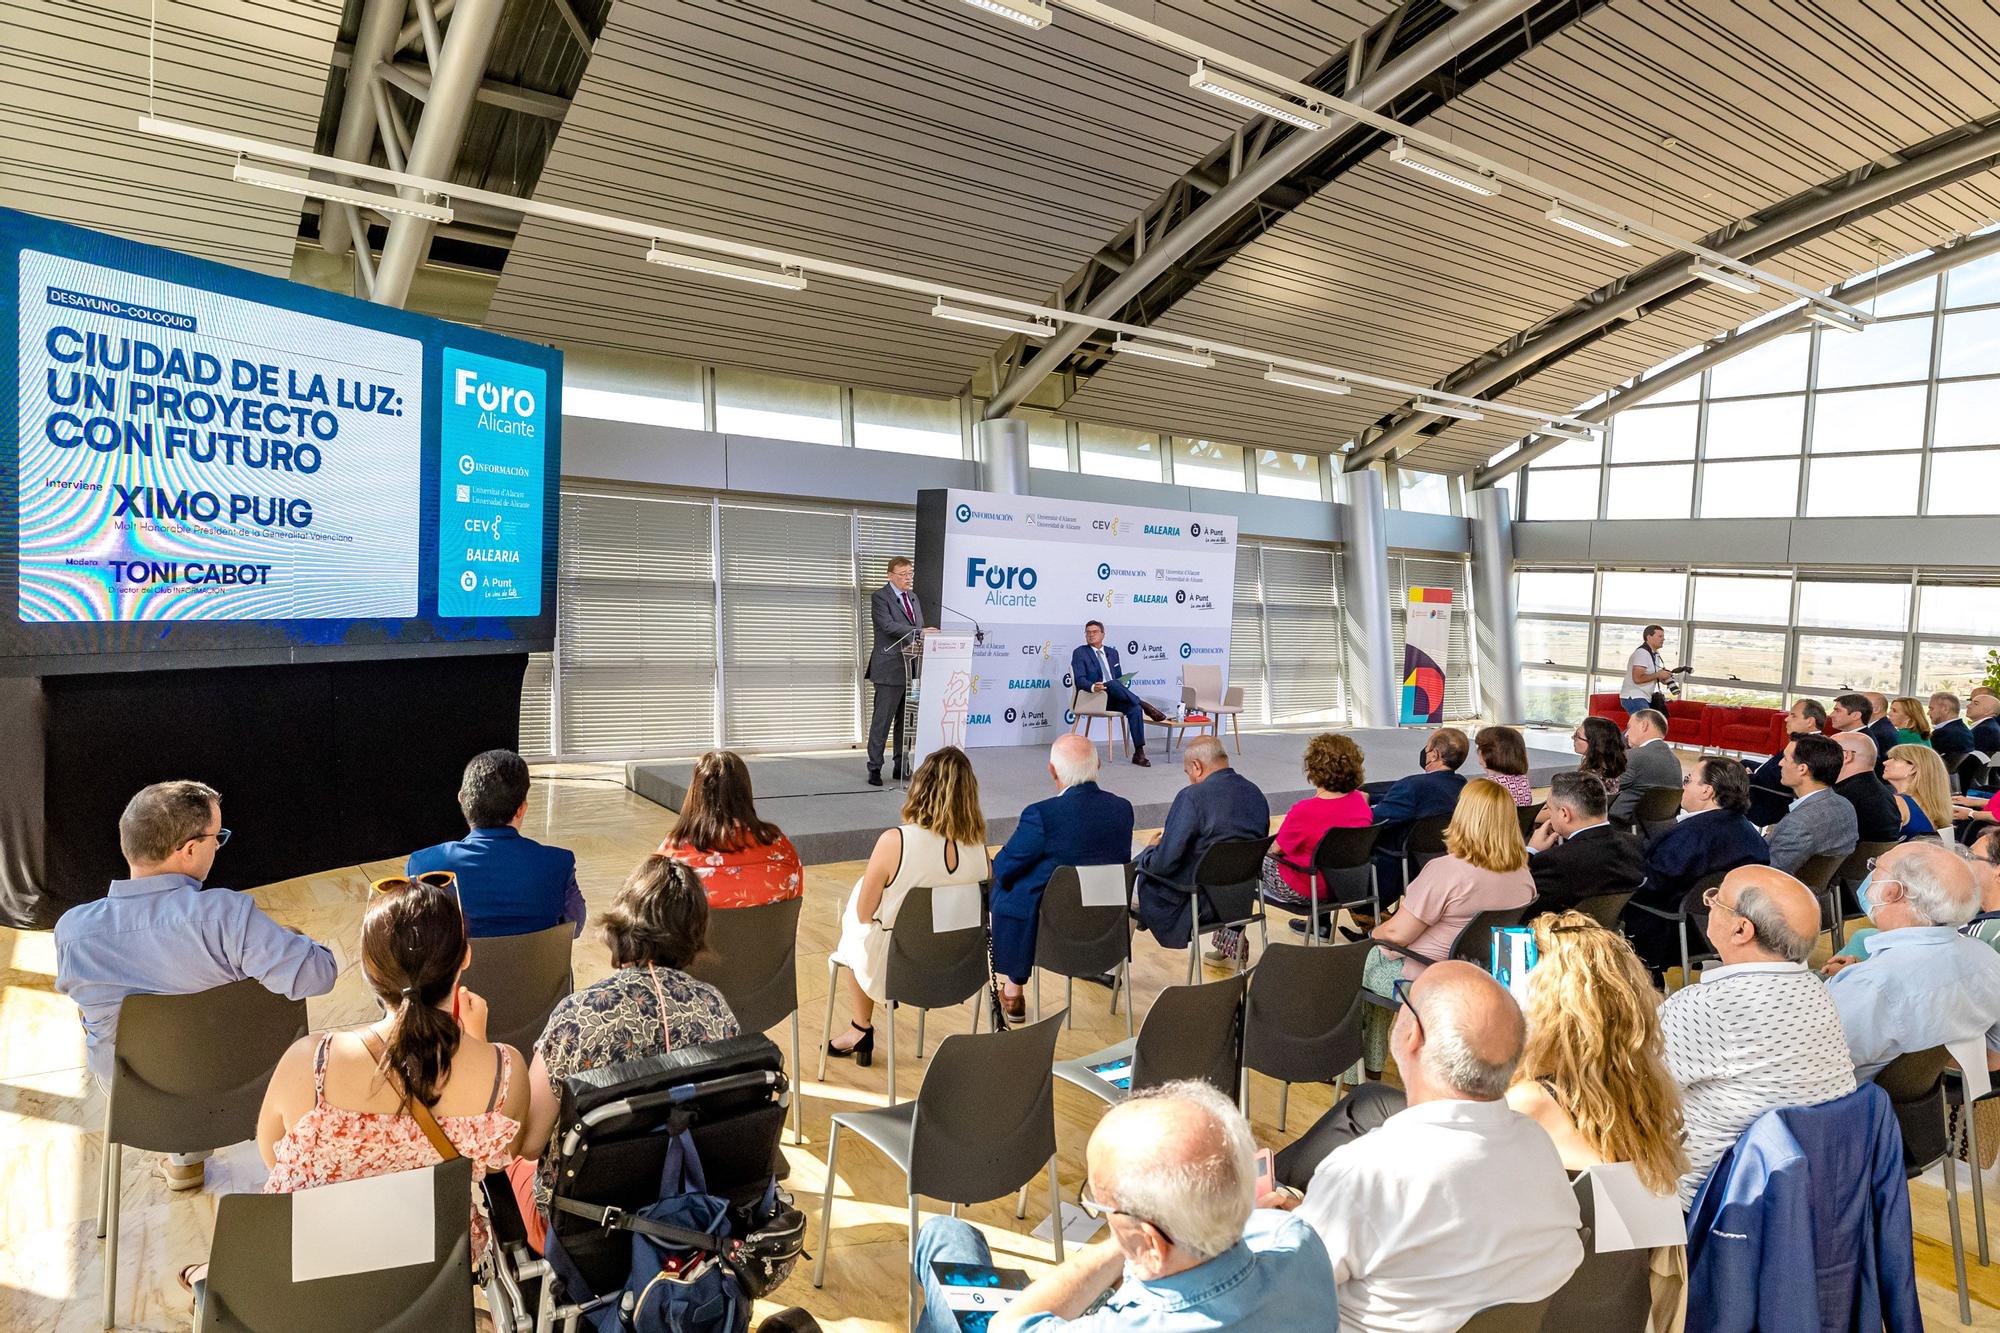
908, 610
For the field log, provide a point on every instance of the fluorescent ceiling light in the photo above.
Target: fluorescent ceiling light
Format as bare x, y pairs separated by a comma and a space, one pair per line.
1228, 89
1723, 277
1465, 178
1833, 319
1611, 233
987, 319
1453, 410
341, 194
1156, 352
721, 268
1560, 433
1027, 13
1307, 382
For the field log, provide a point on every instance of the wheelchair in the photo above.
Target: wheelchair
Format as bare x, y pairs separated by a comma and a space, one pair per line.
614, 1127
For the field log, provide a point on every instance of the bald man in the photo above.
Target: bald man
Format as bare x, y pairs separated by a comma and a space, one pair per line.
1218, 805
1878, 815
1172, 1171
1760, 1032
1410, 1212
1982, 712
1083, 825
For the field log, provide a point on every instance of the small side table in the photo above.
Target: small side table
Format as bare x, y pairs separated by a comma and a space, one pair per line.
1175, 726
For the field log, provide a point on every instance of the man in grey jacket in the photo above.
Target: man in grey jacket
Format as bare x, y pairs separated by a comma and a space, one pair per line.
898, 619
1649, 763
1821, 821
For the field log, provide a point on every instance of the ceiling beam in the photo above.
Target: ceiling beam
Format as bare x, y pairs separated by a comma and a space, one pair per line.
354, 130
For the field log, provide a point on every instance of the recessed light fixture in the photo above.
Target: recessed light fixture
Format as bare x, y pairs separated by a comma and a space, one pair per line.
1027, 13
1723, 277
1465, 178
1456, 411
341, 194
1157, 352
1228, 89
1286, 377
1611, 233
1833, 319
722, 268
990, 319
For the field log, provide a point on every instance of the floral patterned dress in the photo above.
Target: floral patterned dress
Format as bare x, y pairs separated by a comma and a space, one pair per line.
329, 1144
767, 872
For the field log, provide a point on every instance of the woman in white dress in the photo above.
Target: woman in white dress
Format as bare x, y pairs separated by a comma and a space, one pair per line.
942, 841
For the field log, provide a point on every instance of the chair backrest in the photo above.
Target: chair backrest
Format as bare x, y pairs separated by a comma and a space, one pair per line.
1425, 838
1608, 1293
1342, 860
1072, 940
1528, 814
189, 1071
1193, 1032
1855, 868
1523, 1318
985, 1118
1302, 1016
1915, 1084
752, 958
1966, 770
1474, 943
1230, 875
928, 969
1604, 908
1205, 681
521, 978
1817, 872
1657, 805
250, 1287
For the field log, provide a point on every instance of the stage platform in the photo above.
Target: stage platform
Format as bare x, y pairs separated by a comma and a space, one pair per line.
824, 804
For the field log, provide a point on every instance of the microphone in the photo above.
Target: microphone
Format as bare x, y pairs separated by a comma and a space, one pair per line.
978, 633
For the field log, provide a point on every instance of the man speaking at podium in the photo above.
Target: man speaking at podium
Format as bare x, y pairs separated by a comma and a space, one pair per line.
897, 617
1095, 669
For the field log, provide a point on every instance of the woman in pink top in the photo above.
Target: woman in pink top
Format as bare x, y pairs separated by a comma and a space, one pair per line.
1484, 868
339, 1105
1333, 766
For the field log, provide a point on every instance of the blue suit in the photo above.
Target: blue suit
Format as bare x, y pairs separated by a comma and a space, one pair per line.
508, 884
1085, 826
1225, 806
1419, 796
1699, 845
1986, 737
1084, 670
1951, 739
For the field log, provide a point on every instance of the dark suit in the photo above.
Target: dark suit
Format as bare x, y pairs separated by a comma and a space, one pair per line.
1419, 796
1986, 737
1085, 826
1951, 739
1701, 844
1878, 815
1766, 773
1085, 671
894, 623
1225, 806
1595, 860
1883, 732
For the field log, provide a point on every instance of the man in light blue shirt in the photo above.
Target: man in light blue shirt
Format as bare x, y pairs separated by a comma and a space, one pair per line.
160, 933
1923, 984
1173, 1173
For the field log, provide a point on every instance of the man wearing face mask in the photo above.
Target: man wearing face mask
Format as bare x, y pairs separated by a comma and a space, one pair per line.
1922, 984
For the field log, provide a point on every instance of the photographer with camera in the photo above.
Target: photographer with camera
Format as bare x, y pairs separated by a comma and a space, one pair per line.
1646, 675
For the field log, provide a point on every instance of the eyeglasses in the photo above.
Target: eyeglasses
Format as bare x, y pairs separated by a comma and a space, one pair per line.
1711, 898
1100, 1210
221, 837
1399, 991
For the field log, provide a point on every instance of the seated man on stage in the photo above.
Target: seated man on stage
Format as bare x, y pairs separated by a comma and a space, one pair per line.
1218, 805
1083, 826
508, 884
1094, 668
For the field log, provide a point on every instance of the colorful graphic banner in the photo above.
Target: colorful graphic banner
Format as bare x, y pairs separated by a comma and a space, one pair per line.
1426, 642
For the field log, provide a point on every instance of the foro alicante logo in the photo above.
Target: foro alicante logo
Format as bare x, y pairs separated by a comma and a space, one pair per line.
1006, 585
964, 513
1104, 570
491, 397
1187, 650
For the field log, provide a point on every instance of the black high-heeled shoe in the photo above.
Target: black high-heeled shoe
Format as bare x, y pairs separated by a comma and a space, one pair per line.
863, 1051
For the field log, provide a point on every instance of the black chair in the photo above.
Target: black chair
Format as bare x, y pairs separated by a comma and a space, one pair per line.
1915, 1083
1230, 878
1608, 1293
1423, 844
1072, 940
1528, 814
1473, 944
753, 959
1603, 908
1966, 772
1768, 805
1846, 877
1656, 811
1817, 874
1302, 1017
522, 978
1343, 862
1954, 1096
1690, 910
1190, 1032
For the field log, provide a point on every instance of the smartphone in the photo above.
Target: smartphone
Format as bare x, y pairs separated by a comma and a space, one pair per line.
1266, 1177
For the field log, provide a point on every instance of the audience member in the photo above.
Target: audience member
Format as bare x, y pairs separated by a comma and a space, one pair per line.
1333, 765
1856, 712
941, 842
1503, 753
1218, 805
1820, 822
1648, 763
1593, 1073
1923, 984
1877, 815
1600, 747
1912, 722
1922, 787
1576, 854
1082, 825
1484, 868
160, 933
508, 884
1805, 718
1173, 1172
1711, 837
1645, 673
1983, 712
649, 1005
1971, 812
1759, 1032
1431, 791
1983, 859
1950, 737
348, 1105
1457, 1202
741, 860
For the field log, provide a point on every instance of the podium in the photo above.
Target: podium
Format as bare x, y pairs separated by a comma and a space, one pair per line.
938, 703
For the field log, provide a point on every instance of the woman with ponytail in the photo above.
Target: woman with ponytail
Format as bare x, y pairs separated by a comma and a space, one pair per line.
741, 860
344, 1105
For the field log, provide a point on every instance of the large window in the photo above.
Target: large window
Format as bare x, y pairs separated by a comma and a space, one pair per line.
1208, 464
906, 425
1115, 451
750, 403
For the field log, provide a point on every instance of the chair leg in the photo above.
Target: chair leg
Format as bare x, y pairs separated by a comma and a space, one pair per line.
1978, 1182
826, 1032
798, 1093
1021, 1200
1957, 1235
1687, 977
910, 1263
104, 1174
1055, 1209
1284, 1101
115, 1153
954, 1210
1069, 1002
1125, 972
921, 1015
1194, 958
1243, 1090
1312, 908
825, 1210
1236, 730
1037, 978
889, 1012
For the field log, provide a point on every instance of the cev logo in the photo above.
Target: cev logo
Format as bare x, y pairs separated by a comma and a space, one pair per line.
963, 513
1109, 525
1187, 650
1104, 570
491, 397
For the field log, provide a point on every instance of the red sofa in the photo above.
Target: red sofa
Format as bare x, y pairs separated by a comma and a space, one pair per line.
1607, 707
1687, 722
1708, 726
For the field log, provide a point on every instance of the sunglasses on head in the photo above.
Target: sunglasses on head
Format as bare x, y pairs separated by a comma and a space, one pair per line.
437, 879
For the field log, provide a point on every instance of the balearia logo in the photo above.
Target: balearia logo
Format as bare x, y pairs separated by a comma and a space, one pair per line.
1104, 570
1149, 598
1187, 651
964, 513
1163, 530
978, 719
1005, 585
1028, 683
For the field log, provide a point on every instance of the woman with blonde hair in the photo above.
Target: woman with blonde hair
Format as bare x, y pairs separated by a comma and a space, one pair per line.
942, 841
1923, 788
1484, 868
1912, 720
1594, 1071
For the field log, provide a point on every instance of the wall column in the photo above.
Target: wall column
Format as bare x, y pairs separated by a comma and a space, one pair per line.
1003, 455
1371, 647
1494, 638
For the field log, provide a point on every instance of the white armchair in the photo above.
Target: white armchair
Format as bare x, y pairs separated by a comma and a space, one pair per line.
1202, 692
